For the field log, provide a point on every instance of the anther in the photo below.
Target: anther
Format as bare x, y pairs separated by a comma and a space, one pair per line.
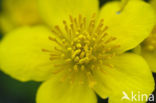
110, 39
66, 26
69, 49
54, 40
78, 45
58, 29
82, 54
75, 53
76, 59
45, 50
84, 60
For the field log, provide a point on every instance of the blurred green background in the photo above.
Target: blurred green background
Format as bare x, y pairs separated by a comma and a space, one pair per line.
13, 91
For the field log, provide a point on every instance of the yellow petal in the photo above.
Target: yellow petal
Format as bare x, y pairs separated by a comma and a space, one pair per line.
130, 73
54, 91
21, 12
55, 11
22, 56
131, 25
150, 57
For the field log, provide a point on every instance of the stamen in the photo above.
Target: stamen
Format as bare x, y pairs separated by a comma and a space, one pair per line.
100, 25
54, 40
83, 47
58, 71
45, 50
59, 50
58, 29
66, 27
76, 53
110, 39
110, 65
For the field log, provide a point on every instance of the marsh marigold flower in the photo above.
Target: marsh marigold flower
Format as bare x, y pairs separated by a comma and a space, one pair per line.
17, 13
84, 53
148, 47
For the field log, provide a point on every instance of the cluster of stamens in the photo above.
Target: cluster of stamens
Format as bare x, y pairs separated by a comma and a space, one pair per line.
83, 45
150, 43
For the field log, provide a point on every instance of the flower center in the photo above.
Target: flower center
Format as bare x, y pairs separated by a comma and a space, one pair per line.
150, 43
83, 45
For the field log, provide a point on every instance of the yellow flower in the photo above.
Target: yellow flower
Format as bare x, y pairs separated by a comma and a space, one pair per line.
18, 13
148, 47
85, 54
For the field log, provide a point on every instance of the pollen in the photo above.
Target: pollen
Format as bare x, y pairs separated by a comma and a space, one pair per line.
82, 46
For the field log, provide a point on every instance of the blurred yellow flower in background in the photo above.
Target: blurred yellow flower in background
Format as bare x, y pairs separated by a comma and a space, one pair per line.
17, 13
148, 47
83, 53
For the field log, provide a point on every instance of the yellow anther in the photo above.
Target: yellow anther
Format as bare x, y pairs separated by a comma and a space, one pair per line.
55, 40
110, 39
76, 40
76, 59
69, 49
76, 53
82, 54
81, 37
86, 47
94, 39
88, 53
77, 33
110, 65
78, 45
72, 43
88, 36
84, 60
